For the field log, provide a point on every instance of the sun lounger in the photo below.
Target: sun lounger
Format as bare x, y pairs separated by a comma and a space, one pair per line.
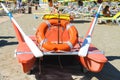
118, 21
113, 19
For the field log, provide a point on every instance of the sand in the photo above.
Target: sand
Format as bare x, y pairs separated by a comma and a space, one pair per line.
106, 37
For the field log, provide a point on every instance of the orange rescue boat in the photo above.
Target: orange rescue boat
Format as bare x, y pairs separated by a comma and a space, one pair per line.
47, 40
60, 37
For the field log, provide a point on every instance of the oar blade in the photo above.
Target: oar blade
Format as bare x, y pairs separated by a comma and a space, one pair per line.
85, 46
32, 46
35, 50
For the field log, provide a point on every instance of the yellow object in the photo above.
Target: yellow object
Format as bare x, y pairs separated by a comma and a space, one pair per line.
56, 16
110, 18
44, 0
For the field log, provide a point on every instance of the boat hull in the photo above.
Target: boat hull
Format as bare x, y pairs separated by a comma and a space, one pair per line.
25, 56
27, 61
94, 61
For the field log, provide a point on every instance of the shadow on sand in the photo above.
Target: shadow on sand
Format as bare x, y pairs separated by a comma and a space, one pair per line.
58, 68
52, 70
5, 42
80, 21
6, 37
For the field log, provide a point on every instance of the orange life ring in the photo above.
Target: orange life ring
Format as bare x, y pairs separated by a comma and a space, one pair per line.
41, 39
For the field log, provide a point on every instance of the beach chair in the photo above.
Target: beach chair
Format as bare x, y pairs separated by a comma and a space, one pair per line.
113, 19
118, 21
1, 11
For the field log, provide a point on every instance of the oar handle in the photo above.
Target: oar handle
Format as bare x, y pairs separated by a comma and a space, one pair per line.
5, 8
94, 21
99, 9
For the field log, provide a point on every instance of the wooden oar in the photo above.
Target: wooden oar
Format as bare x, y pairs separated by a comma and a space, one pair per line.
87, 41
35, 50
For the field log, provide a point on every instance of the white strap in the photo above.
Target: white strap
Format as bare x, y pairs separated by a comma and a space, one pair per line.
41, 42
48, 23
68, 26
70, 44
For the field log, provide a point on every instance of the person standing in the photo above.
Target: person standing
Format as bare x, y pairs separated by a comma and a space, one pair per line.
19, 5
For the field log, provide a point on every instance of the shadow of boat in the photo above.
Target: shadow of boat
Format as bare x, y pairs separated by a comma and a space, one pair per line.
52, 70
80, 21
58, 68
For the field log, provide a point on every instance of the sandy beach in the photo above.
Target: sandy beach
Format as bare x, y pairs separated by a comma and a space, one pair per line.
106, 37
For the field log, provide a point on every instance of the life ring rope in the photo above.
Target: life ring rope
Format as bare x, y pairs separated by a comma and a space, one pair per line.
69, 44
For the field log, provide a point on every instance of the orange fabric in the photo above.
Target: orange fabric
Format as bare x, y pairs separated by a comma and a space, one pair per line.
26, 58
52, 34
